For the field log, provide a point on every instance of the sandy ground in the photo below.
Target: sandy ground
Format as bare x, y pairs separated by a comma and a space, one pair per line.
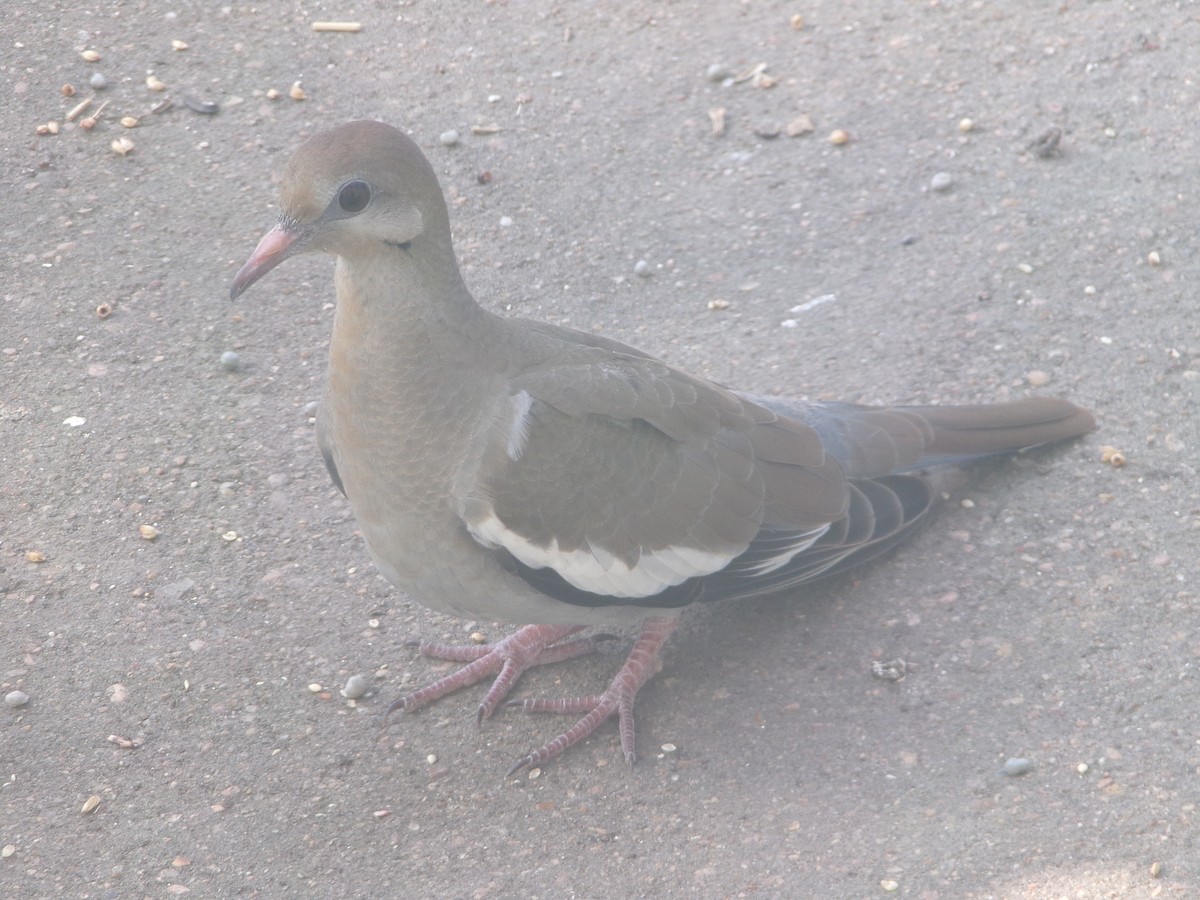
1052, 618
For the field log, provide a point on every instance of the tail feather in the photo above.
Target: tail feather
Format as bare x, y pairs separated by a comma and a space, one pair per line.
873, 441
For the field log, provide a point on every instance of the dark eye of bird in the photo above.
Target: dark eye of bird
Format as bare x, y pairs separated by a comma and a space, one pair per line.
354, 196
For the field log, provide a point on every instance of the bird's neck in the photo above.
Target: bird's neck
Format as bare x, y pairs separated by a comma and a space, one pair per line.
405, 325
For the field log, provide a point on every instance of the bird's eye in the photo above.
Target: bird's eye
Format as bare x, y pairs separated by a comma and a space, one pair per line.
354, 196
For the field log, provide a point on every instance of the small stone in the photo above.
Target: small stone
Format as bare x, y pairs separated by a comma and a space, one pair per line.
942, 181
98, 81
767, 130
179, 45
315, 688
155, 84
839, 137
1082, 768
90, 804
90, 56
431, 758
356, 686
311, 408
273, 94
148, 532
966, 125
718, 72
8, 851
889, 885
296, 92
668, 748
203, 107
798, 126
642, 269
230, 361
1156, 868
1037, 378
1153, 258
16, 698
122, 146
1016, 766
448, 138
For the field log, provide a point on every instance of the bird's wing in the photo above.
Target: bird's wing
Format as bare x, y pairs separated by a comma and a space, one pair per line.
625, 477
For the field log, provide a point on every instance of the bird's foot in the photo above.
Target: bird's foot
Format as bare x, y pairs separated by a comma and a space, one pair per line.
533, 645
642, 664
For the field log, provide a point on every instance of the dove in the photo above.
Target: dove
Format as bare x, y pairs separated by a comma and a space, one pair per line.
511, 470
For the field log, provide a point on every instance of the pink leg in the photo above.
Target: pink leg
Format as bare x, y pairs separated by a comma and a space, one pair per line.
642, 665
533, 645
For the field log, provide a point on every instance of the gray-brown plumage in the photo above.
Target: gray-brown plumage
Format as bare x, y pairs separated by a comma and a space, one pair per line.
507, 469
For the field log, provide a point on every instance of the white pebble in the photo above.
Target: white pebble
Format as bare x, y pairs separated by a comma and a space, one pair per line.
718, 72
942, 181
641, 268
230, 361
16, 698
448, 138
98, 81
506, 221
356, 686
1017, 765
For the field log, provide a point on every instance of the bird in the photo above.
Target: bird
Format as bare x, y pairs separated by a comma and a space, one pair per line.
513, 470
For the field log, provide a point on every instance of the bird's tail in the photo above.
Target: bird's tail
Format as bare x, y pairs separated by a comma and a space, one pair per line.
871, 441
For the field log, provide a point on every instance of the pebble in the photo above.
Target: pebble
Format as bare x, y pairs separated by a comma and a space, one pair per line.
1037, 377
15, 699
356, 686
642, 269
98, 81
311, 408
1017, 765
839, 137
798, 126
230, 361
448, 138
718, 72
942, 181
203, 107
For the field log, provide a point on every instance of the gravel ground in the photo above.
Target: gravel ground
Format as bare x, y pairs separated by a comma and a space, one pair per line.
1011, 210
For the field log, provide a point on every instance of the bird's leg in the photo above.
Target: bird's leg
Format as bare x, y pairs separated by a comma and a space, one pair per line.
533, 645
642, 664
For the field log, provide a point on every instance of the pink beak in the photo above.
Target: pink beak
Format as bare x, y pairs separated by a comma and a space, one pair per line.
276, 245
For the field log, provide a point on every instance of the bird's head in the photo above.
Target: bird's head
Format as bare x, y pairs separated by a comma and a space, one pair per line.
353, 190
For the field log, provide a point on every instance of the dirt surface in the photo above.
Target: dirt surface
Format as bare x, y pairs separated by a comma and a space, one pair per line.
1051, 618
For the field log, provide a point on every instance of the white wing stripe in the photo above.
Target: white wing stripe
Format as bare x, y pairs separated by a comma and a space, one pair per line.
598, 571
